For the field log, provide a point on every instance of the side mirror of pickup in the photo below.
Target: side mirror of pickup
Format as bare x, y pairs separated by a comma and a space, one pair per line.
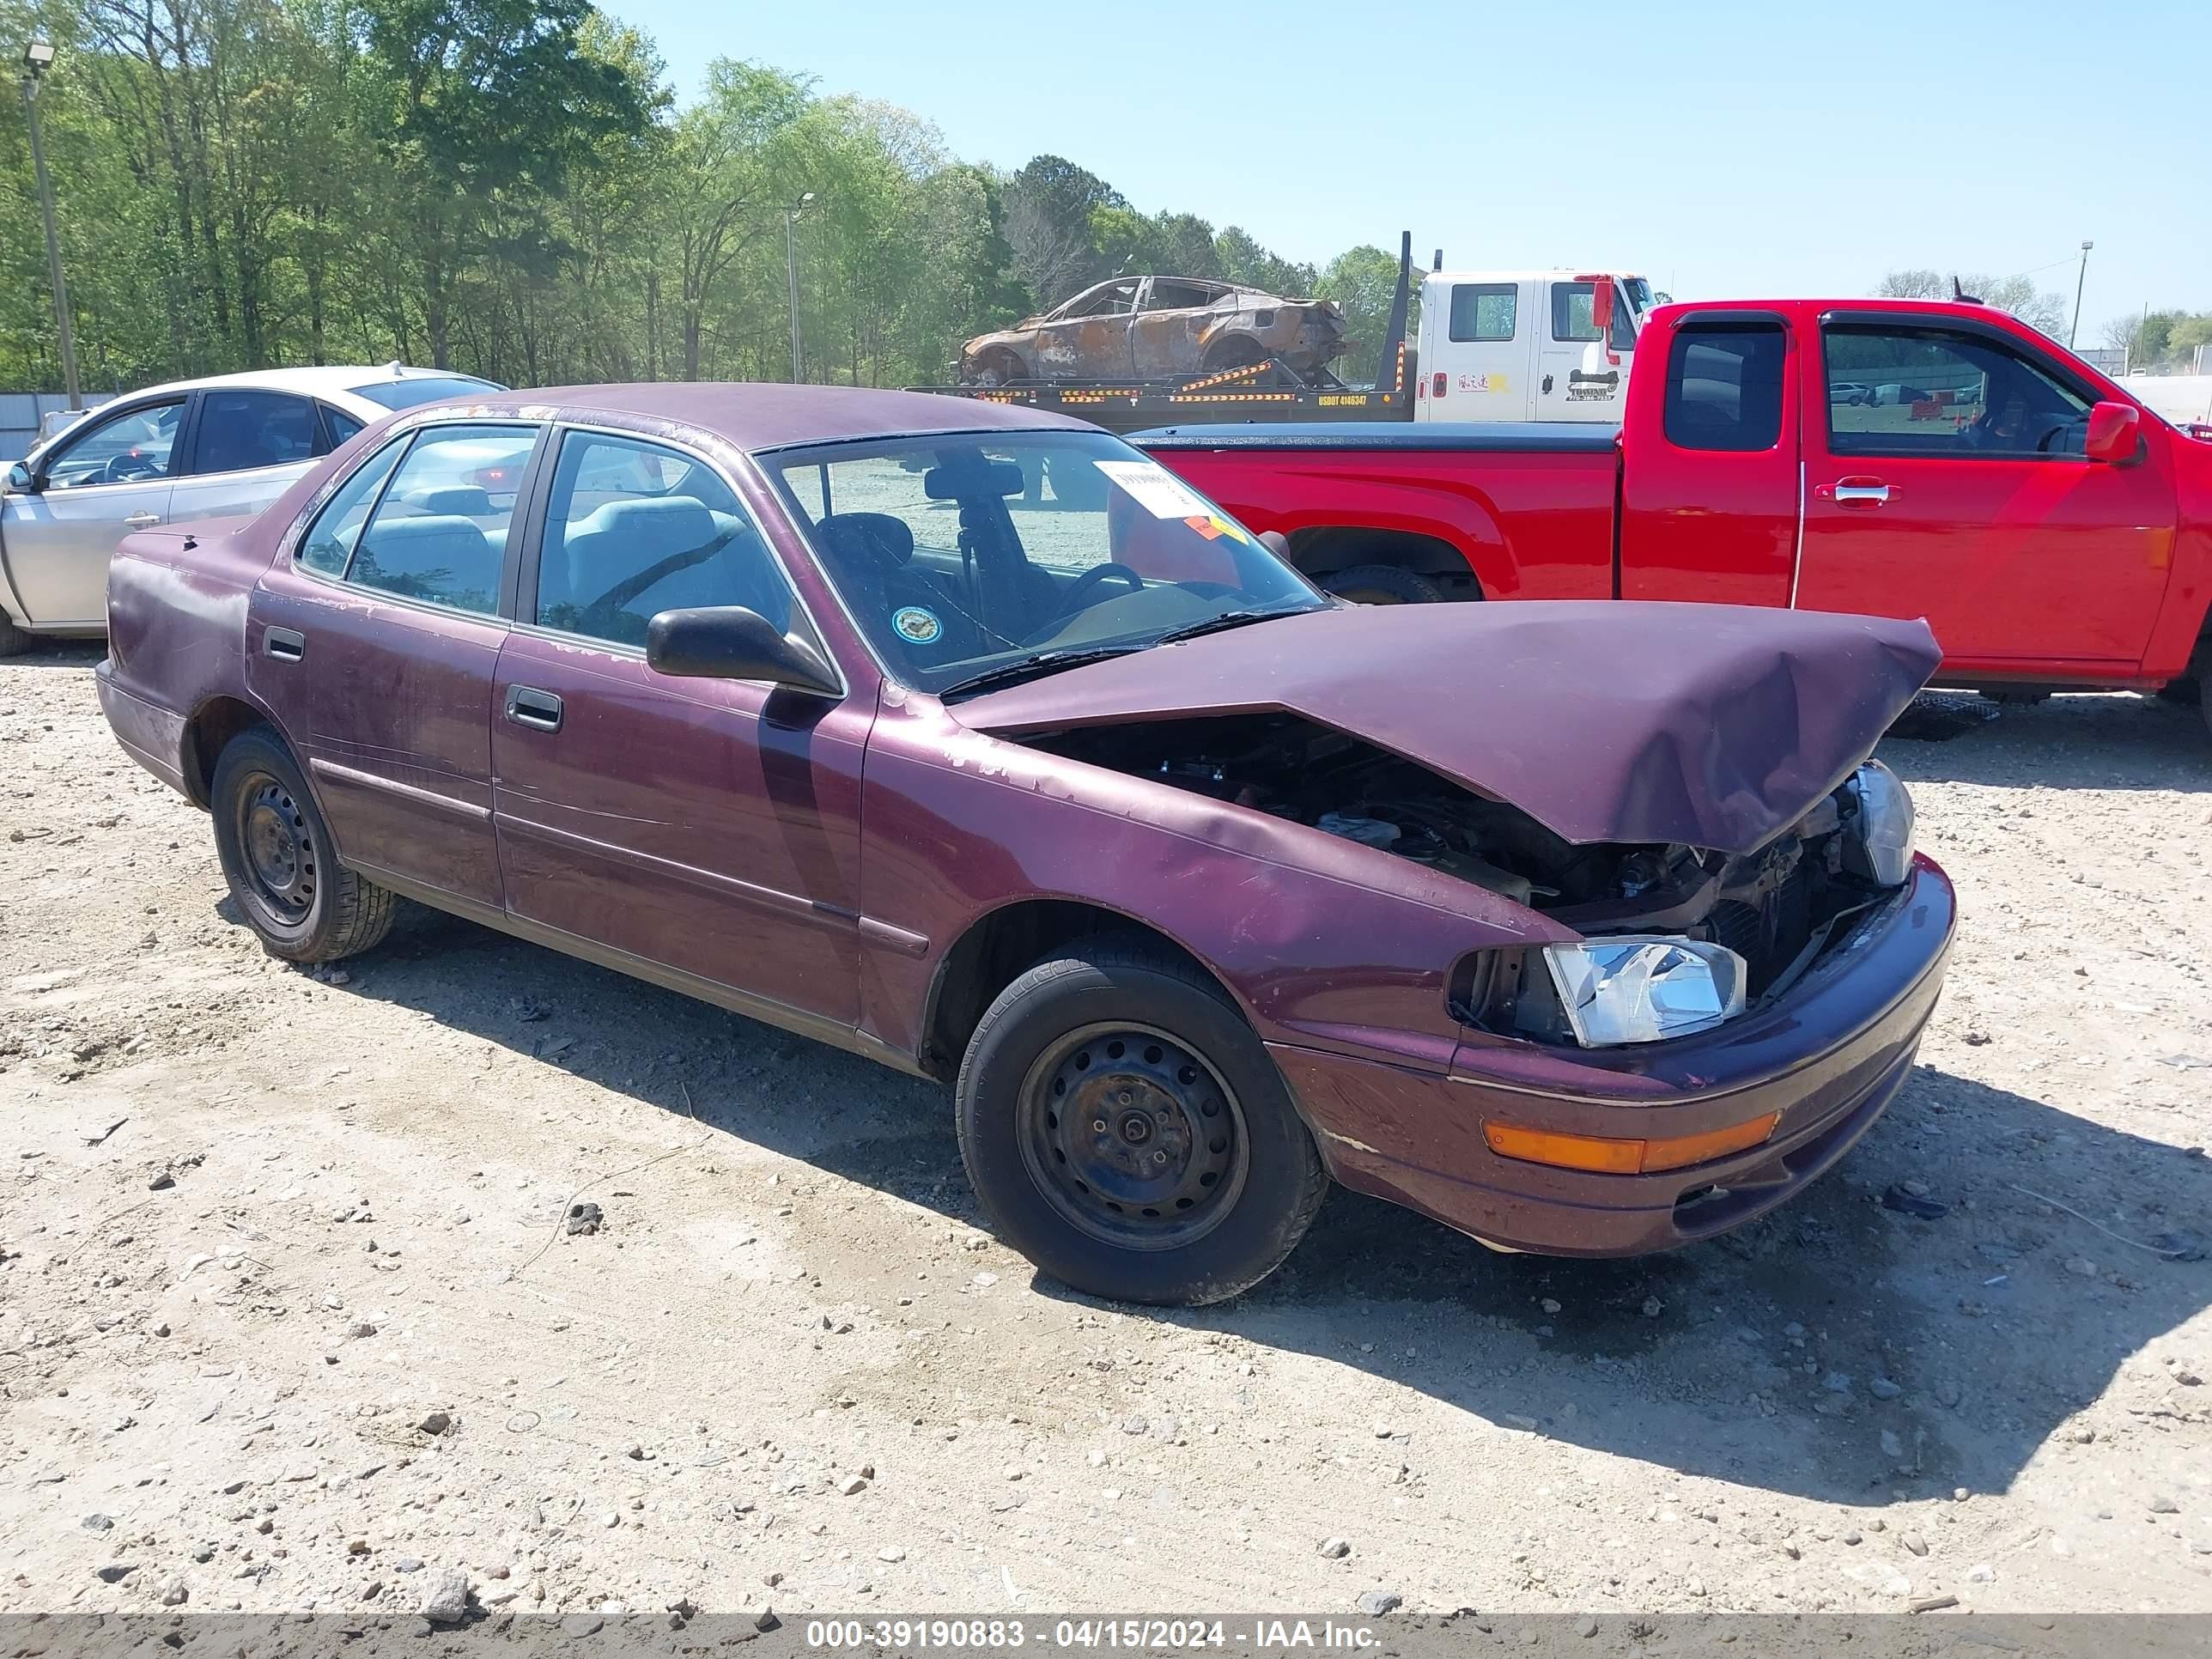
20, 481
730, 642
2114, 433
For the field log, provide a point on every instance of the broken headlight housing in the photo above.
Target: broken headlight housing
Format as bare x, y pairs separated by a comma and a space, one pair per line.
1881, 840
1644, 989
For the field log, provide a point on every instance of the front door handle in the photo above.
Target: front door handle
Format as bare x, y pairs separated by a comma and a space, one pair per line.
284, 644
539, 710
139, 520
1858, 494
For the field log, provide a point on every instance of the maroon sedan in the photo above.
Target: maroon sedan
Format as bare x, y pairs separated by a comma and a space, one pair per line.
1583, 929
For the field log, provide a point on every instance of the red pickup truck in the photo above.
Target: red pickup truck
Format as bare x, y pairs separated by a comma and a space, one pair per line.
1897, 458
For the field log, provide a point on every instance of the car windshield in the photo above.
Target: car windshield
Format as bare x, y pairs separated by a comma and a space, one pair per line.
970, 556
423, 389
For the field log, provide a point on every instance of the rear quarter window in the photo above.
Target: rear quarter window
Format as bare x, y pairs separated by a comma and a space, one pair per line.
1724, 386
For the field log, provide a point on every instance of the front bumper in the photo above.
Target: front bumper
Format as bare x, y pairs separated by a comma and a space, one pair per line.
1829, 1056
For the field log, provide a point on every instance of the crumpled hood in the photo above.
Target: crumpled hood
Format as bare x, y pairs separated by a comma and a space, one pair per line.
1715, 725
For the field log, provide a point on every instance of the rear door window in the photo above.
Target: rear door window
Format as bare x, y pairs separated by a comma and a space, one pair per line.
1484, 312
1724, 386
242, 428
439, 532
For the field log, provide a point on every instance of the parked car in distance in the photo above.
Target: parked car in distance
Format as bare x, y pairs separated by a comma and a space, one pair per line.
2054, 532
784, 697
1147, 327
194, 449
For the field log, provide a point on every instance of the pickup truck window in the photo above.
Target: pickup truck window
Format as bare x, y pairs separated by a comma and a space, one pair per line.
1572, 320
1483, 313
1724, 386
1899, 391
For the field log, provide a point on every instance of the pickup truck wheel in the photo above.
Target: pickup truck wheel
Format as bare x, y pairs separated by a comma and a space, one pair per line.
1126, 1131
1383, 584
277, 858
12, 638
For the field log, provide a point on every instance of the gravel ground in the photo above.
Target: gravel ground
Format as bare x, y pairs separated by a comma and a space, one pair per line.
289, 1317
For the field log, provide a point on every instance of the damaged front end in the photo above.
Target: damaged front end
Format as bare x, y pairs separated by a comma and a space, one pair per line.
1673, 939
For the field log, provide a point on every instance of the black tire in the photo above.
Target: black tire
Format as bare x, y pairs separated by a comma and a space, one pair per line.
278, 861
12, 638
2010, 698
1383, 584
1157, 1047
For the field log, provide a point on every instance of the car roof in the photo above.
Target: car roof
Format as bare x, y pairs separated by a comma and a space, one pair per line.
325, 381
756, 416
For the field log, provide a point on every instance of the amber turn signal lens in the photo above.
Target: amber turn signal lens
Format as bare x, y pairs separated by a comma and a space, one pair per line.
1607, 1156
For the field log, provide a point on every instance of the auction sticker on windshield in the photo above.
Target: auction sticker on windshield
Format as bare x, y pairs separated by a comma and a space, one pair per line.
915, 624
1164, 496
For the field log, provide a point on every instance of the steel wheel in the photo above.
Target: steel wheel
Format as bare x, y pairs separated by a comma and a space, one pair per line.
1131, 1137
279, 849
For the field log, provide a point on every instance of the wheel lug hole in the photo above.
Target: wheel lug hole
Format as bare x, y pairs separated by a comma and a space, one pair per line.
1160, 1157
1098, 1126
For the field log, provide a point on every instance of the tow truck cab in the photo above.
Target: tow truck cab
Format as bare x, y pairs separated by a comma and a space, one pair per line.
1527, 345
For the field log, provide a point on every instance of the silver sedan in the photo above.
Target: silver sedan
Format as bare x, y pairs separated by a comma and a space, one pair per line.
195, 449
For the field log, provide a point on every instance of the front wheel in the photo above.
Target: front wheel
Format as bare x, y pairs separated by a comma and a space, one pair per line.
1127, 1131
279, 860
1383, 584
12, 638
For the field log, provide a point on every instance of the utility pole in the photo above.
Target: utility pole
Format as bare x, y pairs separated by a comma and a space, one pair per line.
791, 268
2075, 327
37, 56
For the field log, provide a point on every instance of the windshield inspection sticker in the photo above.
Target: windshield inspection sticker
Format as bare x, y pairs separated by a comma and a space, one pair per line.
916, 625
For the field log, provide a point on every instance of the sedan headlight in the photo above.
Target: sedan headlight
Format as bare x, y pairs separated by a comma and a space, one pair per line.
1882, 835
1643, 989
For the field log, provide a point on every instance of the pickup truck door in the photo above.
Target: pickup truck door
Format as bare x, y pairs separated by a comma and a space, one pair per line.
1477, 366
1945, 479
1708, 490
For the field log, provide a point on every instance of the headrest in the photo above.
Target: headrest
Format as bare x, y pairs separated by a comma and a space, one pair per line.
661, 525
418, 540
881, 539
467, 500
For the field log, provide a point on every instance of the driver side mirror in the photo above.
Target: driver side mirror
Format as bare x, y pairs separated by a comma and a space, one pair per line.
20, 481
2115, 431
730, 642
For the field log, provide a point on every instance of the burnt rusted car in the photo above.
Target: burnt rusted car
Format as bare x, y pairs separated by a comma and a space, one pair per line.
1153, 328
1169, 865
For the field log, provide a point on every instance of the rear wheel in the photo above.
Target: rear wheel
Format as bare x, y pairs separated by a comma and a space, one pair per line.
1383, 584
278, 861
1127, 1131
12, 638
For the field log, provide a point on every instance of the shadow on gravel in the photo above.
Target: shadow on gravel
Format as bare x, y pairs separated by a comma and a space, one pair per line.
2118, 741
1767, 1357
39, 652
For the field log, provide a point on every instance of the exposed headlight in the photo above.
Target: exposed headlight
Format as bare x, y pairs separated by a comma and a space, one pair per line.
1642, 989
1882, 837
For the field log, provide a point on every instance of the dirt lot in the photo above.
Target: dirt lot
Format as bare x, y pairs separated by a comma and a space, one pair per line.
262, 1227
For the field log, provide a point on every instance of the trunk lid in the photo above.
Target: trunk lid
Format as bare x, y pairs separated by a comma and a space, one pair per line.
1717, 727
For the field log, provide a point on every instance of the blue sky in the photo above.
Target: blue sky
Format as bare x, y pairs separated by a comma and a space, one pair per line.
1722, 148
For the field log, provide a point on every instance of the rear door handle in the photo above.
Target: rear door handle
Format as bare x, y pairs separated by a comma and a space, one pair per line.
284, 644
140, 519
1861, 495
539, 710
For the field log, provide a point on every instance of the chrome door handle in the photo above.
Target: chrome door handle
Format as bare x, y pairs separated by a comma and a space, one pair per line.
284, 644
1858, 493
140, 521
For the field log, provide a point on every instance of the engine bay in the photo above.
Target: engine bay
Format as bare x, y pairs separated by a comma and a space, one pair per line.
1778, 908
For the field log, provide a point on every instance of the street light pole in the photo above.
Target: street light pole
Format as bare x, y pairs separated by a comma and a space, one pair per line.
2075, 327
36, 56
791, 268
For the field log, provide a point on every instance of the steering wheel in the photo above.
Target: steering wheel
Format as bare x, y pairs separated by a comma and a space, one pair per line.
127, 467
2057, 434
1080, 590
